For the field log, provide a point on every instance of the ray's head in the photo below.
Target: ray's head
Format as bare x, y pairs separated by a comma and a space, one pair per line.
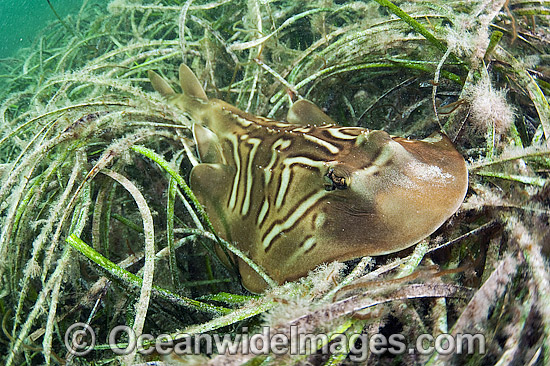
389, 193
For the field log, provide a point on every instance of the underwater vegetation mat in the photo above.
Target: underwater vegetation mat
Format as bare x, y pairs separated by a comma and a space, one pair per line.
99, 226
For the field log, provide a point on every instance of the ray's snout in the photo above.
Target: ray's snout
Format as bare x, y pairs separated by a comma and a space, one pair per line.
432, 185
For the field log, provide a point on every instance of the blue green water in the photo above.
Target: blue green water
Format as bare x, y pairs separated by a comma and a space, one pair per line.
22, 20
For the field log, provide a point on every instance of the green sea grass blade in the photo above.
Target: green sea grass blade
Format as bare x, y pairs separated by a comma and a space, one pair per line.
526, 81
246, 312
171, 199
127, 222
496, 36
134, 282
413, 24
229, 298
179, 179
534, 181
61, 20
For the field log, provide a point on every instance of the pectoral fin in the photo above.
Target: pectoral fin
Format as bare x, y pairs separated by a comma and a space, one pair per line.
304, 112
208, 145
211, 183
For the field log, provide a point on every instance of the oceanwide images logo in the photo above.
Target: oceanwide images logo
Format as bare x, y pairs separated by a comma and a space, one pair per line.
80, 340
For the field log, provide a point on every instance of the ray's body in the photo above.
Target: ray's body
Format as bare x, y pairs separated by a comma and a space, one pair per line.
295, 195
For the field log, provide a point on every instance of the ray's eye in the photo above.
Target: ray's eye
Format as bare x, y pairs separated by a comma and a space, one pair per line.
336, 180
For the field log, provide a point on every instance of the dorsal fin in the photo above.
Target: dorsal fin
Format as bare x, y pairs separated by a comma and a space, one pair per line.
304, 112
159, 84
190, 85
